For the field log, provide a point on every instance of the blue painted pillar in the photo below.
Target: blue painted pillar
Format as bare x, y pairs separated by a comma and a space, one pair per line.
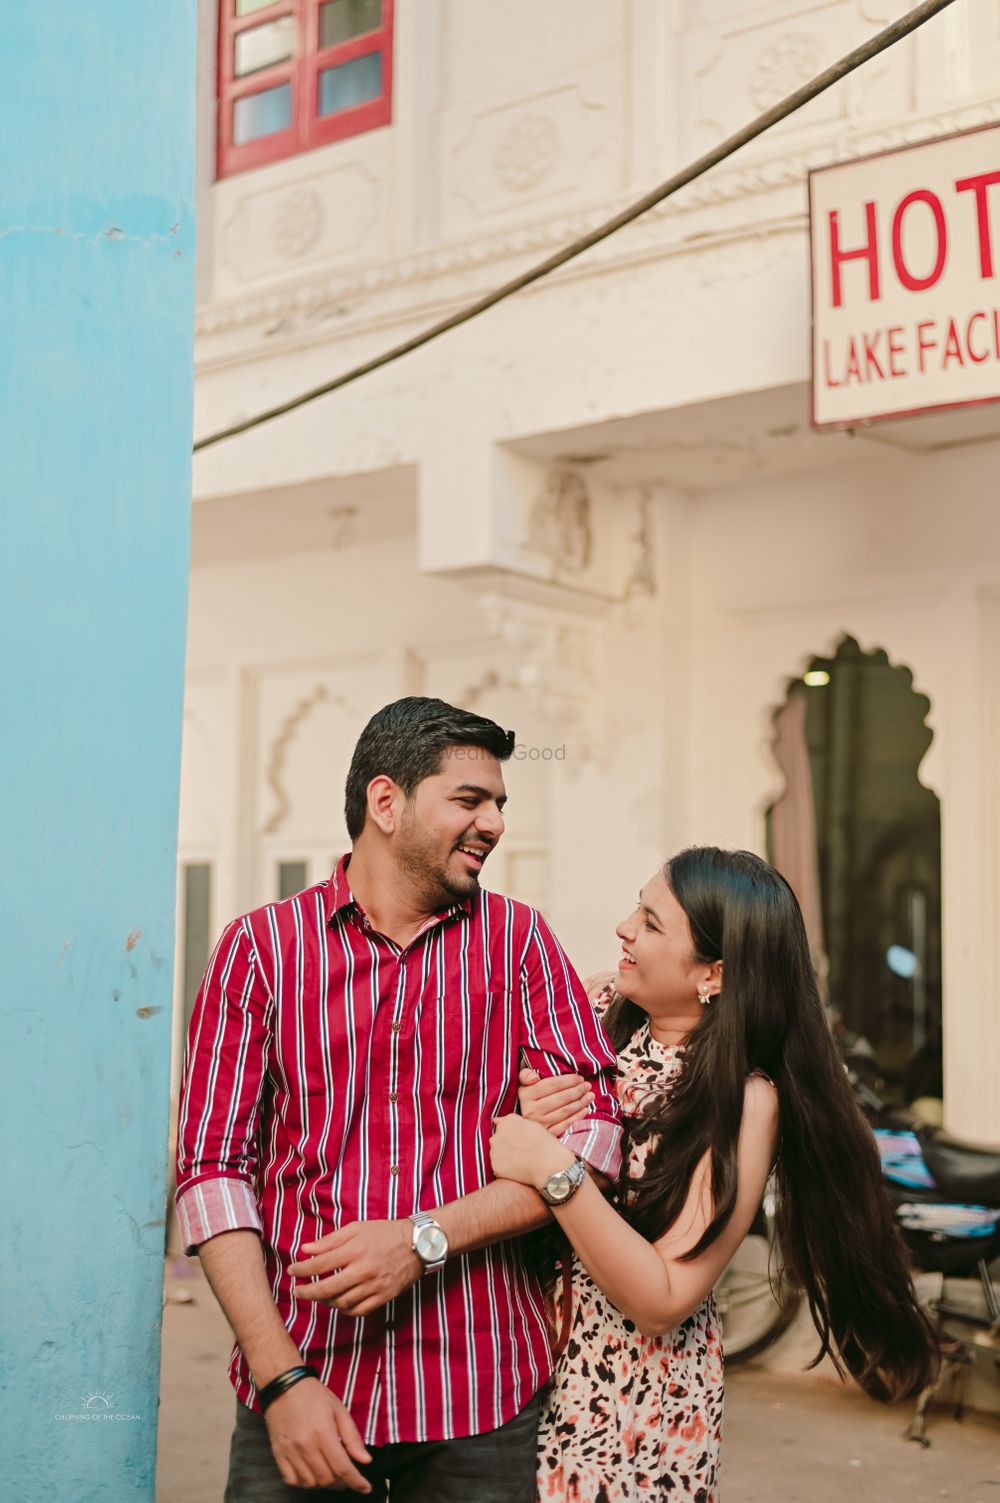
96, 306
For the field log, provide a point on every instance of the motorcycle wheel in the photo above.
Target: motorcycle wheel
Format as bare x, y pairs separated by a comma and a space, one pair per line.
753, 1306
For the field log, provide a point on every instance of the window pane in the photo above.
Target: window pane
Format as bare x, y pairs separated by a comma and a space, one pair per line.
352, 83
197, 900
247, 7
340, 20
262, 114
263, 45
291, 878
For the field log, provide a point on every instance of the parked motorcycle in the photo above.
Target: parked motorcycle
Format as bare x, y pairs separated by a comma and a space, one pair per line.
946, 1198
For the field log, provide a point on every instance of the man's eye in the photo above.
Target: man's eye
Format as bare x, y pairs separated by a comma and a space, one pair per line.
652, 927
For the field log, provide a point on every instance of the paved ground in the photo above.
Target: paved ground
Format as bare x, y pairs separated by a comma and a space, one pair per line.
788, 1439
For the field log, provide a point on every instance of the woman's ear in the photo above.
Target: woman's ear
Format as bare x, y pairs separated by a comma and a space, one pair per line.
713, 978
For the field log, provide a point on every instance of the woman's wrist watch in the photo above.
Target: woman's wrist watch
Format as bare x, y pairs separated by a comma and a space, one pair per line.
429, 1241
563, 1185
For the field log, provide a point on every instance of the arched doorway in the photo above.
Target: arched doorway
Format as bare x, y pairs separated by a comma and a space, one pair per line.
859, 837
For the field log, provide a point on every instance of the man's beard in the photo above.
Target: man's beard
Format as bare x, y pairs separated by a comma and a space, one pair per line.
433, 879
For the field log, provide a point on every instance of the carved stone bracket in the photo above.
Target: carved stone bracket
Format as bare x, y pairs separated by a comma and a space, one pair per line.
559, 523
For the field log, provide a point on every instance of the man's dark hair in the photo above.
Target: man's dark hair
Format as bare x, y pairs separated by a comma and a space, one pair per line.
405, 741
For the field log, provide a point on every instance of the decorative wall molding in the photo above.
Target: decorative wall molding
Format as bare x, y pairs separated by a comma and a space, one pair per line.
286, 734
783, 66
641, 578
525, 153
326, 216
330, 300
561, 139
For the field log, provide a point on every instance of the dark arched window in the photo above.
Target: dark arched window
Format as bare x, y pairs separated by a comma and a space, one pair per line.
859, 837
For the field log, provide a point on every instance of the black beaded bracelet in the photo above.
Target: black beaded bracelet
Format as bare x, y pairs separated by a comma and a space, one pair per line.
282, 1383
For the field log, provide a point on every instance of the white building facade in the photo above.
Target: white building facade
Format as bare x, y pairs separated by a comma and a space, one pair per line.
597, 513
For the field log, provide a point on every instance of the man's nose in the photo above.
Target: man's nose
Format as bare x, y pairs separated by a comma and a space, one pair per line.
490, 822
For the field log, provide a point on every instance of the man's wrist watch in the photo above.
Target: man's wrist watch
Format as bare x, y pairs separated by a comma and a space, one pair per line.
429, 1241
563, 1185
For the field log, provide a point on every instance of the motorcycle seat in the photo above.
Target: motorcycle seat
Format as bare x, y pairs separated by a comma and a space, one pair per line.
966, 1173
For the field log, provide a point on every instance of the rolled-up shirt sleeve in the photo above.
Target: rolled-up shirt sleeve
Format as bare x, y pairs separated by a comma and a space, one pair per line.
563, 1036
225, 1065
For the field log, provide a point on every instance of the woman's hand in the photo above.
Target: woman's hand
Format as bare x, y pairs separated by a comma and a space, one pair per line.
525, 1152
554, 1103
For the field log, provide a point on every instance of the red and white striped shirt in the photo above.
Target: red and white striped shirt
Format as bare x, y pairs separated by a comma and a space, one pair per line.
332, 1077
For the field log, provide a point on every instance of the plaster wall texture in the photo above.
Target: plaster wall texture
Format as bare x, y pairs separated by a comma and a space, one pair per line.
97, 292
596, 512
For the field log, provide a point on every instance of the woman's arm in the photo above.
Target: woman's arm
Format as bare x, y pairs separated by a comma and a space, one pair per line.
647, 1281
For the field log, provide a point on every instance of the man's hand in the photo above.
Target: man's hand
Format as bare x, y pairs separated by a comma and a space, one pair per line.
360, 1268
314, 1440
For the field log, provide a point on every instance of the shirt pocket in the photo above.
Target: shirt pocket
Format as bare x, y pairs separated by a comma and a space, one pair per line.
465, 1045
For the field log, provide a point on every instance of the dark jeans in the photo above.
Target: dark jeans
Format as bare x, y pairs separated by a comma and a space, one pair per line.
496, 1467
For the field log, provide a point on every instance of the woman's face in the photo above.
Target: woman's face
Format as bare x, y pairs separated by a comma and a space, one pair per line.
658, 970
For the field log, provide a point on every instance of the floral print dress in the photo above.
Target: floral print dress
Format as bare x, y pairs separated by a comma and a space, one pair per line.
630, 1417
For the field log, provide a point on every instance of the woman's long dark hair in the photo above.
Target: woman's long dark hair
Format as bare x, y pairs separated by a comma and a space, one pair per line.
838, 1239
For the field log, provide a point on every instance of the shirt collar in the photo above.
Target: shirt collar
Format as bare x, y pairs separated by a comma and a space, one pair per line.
339, 896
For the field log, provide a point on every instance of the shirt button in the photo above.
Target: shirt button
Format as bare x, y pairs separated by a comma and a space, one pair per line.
393, 1095
396, 1027
393, 1168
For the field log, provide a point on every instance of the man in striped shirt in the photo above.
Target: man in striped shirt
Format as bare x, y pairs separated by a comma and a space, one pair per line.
347, 1052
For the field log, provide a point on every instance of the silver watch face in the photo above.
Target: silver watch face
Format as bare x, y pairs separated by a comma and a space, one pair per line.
431, 1244
559, 1185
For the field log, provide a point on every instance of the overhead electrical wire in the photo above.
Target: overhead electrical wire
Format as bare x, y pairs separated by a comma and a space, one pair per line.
882, 40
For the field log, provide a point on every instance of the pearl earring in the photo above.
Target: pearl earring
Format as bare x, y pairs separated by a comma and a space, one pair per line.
703, 996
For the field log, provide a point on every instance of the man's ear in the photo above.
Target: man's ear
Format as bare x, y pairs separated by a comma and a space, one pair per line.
384, 800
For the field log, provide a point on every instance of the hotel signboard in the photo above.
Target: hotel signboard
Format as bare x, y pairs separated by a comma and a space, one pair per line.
905, 250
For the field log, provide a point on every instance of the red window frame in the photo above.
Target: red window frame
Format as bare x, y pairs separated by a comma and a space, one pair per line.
308, 129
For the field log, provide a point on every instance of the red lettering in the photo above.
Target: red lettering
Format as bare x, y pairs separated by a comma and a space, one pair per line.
871, 359
978, 186
910, 282
827, 374
853, 368
895, 349
973, 318
952, 348
925, 345
867, 252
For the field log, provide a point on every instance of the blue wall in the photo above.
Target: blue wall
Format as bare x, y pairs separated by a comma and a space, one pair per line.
96, 305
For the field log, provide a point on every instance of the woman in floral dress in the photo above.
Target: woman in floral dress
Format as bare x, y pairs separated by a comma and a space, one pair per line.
727, 1068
